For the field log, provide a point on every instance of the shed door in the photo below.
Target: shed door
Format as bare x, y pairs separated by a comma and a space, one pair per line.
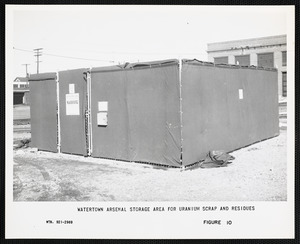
72, 100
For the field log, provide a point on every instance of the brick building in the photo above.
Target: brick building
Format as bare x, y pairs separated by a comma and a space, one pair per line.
268, 51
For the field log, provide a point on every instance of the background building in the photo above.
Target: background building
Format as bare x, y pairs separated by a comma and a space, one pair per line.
21, 90
265, 51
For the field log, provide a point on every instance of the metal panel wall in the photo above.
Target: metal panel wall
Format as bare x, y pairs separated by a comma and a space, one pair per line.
43, 113
154, 110
224, 108
143, 114
217, 115
110, 141
72, 126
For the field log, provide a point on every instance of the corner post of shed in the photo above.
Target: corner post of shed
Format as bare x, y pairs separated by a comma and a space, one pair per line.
180, 108
58, 114
89, 114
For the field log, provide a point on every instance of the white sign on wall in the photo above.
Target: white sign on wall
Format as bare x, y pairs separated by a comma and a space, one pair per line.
72, 104
241, 95
103, 106
102, 118
102, 113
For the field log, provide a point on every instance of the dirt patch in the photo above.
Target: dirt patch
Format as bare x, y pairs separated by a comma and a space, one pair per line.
258, 173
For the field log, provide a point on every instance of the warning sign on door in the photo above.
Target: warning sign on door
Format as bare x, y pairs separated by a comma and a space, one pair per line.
241, 95
72, 104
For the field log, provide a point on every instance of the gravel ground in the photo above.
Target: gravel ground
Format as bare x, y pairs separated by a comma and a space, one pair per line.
258, 173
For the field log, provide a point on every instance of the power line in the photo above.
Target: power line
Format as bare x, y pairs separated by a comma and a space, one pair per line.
18, 49
111, 61
62, 56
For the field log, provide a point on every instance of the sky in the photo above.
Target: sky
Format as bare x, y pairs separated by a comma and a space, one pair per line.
92, 36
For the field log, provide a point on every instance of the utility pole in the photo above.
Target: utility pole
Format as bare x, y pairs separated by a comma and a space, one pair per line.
26, 69
38, 53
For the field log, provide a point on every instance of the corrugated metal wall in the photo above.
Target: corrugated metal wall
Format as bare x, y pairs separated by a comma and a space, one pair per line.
43, 111
72, 125
135, 110
226, 108
143, 113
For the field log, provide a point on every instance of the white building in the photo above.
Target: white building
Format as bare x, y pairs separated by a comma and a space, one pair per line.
265, 51
21, 82
21, 90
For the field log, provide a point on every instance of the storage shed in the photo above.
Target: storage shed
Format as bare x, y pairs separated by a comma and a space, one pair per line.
164, 112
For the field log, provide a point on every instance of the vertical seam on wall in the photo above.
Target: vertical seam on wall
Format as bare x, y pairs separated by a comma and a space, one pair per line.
86, 114
129, 145
180, 108
58, 114
89, 114
91, 124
